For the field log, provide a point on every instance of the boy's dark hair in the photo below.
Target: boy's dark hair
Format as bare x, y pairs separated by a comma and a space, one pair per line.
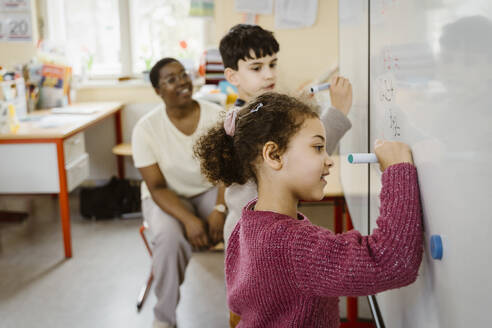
154, 72
241, 39
231, 159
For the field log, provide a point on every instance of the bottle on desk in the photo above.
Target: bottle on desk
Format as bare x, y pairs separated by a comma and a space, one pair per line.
12, 119
4, 122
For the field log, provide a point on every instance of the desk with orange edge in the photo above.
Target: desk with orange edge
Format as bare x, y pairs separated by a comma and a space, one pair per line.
30, 132
334, 194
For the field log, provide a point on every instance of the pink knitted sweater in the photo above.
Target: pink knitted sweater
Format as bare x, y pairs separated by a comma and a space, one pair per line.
282, 272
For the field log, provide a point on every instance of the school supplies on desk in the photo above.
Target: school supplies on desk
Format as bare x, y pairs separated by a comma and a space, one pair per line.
55, 86
76, 109
212, 67
12, 102
211, 93
4, 127
12, 119
55, 121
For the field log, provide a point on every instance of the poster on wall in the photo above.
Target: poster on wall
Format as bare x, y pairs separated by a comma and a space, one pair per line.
18, 27
15, 21
292, 14
15, 5
264, 7
202, 8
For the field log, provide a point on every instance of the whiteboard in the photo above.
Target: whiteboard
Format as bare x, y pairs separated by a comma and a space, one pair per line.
353, 61
430, 76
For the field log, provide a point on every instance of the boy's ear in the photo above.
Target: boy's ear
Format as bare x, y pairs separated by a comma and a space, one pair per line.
271, 155
231, 76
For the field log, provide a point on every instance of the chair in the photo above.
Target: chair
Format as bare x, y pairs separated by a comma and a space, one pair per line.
146, 288
122, 150
144, 291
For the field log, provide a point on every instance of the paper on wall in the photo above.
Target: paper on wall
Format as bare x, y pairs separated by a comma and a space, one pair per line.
17, 27
15, 21
264, 7
290, 14
15, 5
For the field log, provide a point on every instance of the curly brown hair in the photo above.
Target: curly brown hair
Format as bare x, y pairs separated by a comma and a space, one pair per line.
232, 159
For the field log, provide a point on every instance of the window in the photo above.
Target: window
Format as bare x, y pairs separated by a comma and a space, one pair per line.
93, 36
164, 29
113, 37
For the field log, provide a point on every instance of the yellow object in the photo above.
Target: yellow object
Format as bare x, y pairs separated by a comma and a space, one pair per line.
231, 98
13, 121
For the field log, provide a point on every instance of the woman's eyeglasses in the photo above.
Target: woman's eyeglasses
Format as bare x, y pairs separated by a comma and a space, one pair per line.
173, 79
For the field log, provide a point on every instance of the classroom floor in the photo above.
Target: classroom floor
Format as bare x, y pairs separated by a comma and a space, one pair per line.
98, 287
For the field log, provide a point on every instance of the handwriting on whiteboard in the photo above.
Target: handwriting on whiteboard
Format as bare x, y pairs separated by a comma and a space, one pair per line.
390, 61
393, 123
386, 5
385, 100
386, 91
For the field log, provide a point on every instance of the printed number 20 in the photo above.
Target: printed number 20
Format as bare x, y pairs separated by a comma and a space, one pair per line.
18, 27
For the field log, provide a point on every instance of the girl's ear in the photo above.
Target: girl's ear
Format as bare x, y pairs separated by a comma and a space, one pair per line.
271, 155
231, 76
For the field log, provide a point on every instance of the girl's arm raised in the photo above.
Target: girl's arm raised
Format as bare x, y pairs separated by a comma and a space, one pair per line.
326, 264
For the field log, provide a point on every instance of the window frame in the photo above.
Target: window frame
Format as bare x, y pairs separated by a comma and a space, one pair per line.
54, 28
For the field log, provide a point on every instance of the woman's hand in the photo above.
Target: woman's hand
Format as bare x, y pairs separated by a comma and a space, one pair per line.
196, 234
392, 152
216, 221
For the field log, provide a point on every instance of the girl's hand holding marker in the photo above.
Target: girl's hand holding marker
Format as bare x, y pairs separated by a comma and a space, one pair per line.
386, 153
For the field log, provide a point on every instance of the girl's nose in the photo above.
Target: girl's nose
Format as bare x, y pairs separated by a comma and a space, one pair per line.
329, 162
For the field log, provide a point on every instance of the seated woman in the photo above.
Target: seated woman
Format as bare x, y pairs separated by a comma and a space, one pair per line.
183, 210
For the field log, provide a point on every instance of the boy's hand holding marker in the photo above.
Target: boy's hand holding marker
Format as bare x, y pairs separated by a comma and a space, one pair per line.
340, 93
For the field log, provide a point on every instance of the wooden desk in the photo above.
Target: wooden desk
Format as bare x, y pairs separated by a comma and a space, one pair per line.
51, 139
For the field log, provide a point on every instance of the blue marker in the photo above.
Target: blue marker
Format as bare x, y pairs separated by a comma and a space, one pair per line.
360, 158
319, 87
436, 247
